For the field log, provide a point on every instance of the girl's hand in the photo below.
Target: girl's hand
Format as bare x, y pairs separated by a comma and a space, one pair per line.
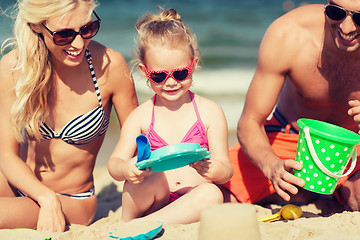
354, 111
133, 174
206, 168
51, 217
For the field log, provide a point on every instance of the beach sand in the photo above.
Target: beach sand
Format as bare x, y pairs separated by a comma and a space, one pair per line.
313, 225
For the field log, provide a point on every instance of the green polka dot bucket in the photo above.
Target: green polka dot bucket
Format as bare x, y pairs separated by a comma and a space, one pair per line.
324, 150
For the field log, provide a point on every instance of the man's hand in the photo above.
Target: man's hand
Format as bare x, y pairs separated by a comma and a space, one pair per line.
354, 111
283, 180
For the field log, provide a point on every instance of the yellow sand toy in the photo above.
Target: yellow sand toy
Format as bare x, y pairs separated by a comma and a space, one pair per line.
288, 212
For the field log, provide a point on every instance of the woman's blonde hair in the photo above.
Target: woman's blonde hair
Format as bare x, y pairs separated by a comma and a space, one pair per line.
33, 61
165, 28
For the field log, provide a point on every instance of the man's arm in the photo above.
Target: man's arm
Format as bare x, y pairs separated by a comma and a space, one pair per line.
274, 63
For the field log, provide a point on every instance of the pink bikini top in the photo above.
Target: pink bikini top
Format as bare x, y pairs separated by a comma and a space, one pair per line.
196, 134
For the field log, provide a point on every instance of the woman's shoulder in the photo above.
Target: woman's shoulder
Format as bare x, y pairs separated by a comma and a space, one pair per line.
105, 54
9, 60
8, 72
110, 64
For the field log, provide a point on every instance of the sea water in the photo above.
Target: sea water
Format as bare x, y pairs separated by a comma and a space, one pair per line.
229, 33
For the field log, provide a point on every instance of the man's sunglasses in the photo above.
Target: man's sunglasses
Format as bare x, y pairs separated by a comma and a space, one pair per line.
179, 74
66, 36
337, 13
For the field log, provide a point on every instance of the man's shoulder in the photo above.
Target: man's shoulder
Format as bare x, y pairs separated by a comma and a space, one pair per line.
305, 18
291, 39
299, 27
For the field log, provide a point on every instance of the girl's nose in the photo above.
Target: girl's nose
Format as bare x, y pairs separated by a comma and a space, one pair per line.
170, 81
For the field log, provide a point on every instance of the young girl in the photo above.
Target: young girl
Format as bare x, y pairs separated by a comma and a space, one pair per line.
168, 55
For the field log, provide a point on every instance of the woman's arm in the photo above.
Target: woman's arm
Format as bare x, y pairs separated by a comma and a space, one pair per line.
16, 171
121, 84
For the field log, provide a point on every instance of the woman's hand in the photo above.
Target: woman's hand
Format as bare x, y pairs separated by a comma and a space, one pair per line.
282, 178
51, 217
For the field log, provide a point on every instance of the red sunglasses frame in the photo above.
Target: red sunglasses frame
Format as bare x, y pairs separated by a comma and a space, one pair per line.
189, 68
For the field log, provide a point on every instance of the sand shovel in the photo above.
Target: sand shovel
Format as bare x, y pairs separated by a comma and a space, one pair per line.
288, 212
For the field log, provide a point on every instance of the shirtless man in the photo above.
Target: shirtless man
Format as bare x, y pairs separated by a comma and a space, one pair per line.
308, 66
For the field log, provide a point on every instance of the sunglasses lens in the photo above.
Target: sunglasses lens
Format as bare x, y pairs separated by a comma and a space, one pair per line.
356, 18
335, 13
64, 37
158, 77
90, 30
181, 75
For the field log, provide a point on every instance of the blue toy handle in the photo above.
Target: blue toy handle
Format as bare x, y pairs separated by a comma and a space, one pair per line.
143, 147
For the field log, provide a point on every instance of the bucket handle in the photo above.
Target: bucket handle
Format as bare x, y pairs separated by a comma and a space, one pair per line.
319, 163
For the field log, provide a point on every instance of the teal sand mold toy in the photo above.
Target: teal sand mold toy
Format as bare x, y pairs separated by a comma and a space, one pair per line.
174, 156
137, 231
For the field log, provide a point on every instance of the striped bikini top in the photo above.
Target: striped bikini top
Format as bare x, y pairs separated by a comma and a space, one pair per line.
86, 127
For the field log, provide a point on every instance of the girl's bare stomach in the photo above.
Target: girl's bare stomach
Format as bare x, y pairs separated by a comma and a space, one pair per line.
181, 180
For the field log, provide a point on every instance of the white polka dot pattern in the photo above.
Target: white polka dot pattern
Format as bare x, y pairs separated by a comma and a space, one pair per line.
333, 155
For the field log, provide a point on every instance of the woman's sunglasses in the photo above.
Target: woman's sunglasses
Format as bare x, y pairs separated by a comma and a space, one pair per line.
337, 13
179, 74
66, 36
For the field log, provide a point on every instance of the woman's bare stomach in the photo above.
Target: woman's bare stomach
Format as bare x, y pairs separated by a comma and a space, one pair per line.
62, 167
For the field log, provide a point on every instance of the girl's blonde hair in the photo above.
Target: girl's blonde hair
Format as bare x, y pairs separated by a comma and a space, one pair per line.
33, 62
165, 28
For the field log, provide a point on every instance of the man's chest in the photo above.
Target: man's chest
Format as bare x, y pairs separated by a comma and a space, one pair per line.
328, 80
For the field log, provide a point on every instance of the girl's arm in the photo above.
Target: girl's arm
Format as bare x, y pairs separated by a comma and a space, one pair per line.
121, 164
17, 172
218, 168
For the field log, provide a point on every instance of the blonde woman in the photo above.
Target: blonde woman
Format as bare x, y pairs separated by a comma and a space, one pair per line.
57, 90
